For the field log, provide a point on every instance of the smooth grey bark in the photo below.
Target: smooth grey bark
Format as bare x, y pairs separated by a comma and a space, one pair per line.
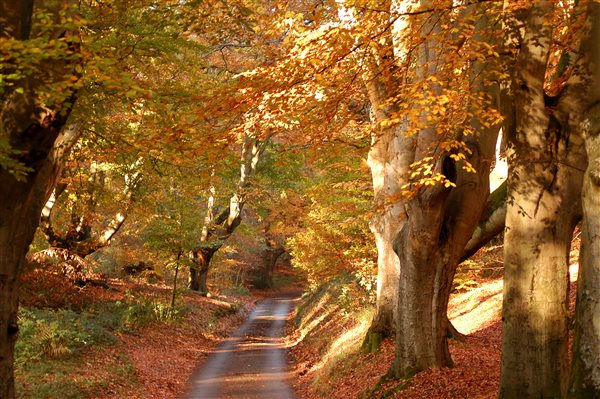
584, 96
421, 237
389, 160
542, 212
546, 162
33, 130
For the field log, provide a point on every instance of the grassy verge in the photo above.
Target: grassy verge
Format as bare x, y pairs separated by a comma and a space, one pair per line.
330, 324
102, 343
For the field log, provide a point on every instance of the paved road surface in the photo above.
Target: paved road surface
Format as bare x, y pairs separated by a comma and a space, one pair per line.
252, 363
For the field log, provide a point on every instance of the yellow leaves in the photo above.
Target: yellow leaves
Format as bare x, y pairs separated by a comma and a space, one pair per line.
468, 167
490, 49
422, 168
424, 174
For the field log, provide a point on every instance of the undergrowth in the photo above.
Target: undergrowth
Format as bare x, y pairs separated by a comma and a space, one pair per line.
332, 320
54, 344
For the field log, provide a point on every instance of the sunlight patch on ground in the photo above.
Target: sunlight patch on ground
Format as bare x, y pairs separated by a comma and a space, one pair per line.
313, 324
345, 344
476, 309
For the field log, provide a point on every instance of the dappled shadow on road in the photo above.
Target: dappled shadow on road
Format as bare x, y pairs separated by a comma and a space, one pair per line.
252, 363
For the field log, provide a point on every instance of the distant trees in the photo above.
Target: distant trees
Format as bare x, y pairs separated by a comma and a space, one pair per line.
329, 229
82, 225
219, 224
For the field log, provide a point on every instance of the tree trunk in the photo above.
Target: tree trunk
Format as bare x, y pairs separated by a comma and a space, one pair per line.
199, 270
440, 220
177, 264
585, 374
586, 347
421, 338
546, 159
202, 286
270, 257
14, 239
388, 272
22, 203
218, 229
542, 212
389, 165
584, 96
17, 227
193, 280
33, 131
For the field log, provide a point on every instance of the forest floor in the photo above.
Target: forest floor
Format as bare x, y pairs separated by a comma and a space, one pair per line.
123, 341
118, 341
330, 363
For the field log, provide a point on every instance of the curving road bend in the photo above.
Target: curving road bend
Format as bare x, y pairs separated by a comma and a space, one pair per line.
252, 363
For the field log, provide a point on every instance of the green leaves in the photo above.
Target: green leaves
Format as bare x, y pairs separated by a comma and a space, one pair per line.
9, 160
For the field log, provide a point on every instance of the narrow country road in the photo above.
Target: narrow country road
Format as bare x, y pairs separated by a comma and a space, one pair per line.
252, 363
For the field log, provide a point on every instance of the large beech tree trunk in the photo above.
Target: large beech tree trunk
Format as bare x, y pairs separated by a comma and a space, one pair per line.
427, 229
546, 163
585, 374
440, 222
586, 348
34, 131
421, 239
543, 209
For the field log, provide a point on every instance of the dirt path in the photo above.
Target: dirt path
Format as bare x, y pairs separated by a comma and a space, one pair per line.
252, 363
